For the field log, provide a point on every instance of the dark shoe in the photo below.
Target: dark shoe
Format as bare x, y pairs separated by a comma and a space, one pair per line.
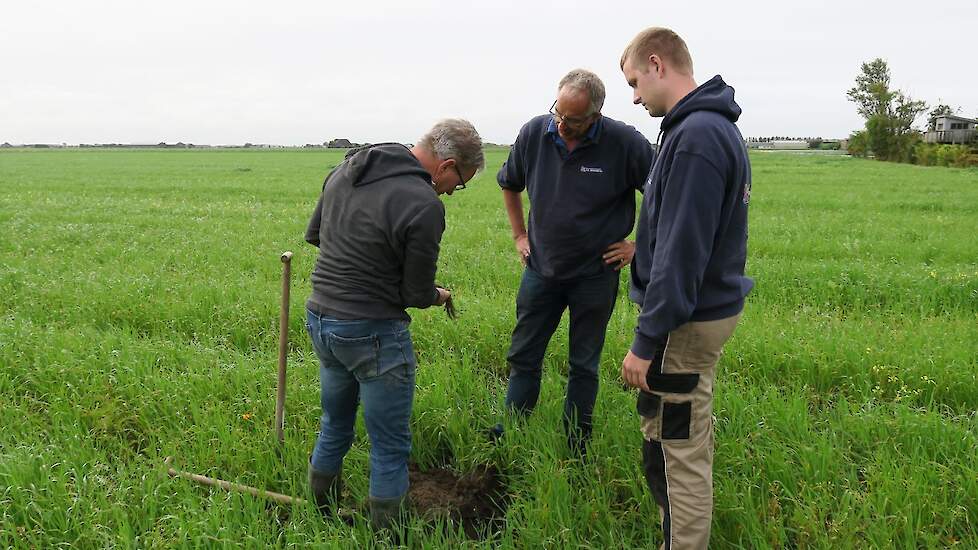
325, 489
386, 511
578, 447
577, 441
495, 433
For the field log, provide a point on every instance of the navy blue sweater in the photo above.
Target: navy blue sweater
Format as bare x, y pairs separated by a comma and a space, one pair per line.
580, 203
691, 245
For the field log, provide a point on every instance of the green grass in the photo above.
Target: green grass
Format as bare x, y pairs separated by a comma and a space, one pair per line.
139, 297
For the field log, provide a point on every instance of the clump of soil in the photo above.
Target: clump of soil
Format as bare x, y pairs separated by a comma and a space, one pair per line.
474, 500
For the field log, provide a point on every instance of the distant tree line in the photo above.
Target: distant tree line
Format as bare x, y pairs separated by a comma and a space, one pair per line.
781, 138
813, 142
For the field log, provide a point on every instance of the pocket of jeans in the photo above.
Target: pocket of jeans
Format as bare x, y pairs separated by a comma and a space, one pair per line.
407, 348
317, 339
399, 375
359, 355
396, 355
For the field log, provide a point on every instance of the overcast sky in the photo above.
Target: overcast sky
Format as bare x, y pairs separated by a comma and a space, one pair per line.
224, 72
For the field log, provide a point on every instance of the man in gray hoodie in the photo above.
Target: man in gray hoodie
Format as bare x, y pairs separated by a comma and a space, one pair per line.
378, 225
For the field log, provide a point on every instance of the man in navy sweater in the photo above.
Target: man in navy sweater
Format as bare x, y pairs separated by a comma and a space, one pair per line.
688, 275
580, 170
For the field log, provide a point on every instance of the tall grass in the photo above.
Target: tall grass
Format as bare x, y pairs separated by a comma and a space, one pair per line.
138, 320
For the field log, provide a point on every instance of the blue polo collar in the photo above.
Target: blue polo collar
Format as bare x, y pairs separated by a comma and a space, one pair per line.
591, 136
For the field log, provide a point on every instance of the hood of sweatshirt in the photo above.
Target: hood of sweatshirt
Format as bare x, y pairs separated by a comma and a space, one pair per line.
713, 95
376, 162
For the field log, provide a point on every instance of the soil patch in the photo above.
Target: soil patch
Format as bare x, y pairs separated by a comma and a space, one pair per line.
475, 500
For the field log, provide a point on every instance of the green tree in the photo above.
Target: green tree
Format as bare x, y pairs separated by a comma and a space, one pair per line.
857, 144
890, 114
872, 90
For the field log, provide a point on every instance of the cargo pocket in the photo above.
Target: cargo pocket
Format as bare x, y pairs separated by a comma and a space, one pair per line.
648, 404
672, 383
360, 356
676, 418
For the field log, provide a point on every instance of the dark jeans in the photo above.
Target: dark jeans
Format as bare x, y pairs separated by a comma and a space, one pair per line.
539, 305
369, 362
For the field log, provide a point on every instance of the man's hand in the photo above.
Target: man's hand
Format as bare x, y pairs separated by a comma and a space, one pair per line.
620, 254
523, 247
634, 370
444, 295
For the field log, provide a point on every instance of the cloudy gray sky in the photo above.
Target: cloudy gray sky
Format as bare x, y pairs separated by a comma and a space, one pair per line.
290, 72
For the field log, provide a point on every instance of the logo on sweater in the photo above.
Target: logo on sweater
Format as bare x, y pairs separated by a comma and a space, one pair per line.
594, 170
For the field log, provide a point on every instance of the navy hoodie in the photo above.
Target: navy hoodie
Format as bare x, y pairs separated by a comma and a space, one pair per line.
691, 245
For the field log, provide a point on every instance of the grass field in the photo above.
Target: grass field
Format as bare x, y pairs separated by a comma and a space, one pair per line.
138, 319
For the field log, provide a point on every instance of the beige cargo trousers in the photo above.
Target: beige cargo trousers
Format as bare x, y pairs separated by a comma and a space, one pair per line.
677, 424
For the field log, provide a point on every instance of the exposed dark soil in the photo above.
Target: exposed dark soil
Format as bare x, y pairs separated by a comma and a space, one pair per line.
475, 500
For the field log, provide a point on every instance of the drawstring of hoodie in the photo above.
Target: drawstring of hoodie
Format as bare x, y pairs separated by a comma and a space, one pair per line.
657, 138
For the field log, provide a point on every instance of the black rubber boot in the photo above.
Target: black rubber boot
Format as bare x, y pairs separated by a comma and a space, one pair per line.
578, 437
386, 512
495, 433
325, 489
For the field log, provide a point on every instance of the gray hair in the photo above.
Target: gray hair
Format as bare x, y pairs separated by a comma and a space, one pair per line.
455, 138
587, 82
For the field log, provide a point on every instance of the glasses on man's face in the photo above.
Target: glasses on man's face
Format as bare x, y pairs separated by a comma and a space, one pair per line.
569, 121
461, 180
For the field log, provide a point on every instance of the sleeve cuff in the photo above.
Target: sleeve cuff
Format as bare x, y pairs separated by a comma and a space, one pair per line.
645, 347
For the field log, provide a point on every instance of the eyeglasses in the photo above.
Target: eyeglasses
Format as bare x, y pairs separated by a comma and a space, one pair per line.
461, 180
561, 119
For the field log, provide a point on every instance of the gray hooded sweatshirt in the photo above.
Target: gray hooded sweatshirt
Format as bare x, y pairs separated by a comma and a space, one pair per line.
378, 225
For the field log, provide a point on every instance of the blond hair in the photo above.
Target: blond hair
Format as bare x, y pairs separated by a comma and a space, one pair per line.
662, 42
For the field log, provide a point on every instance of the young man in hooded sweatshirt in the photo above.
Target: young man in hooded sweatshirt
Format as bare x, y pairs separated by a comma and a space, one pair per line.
687, 275
378, 226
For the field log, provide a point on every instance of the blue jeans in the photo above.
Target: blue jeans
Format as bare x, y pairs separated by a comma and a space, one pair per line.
370, 361
539, 305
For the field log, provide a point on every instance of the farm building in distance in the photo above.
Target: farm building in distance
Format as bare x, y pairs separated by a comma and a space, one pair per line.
780, 145
951, 129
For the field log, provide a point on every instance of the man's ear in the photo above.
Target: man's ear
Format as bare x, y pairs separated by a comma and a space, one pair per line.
445, 165
656, 66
